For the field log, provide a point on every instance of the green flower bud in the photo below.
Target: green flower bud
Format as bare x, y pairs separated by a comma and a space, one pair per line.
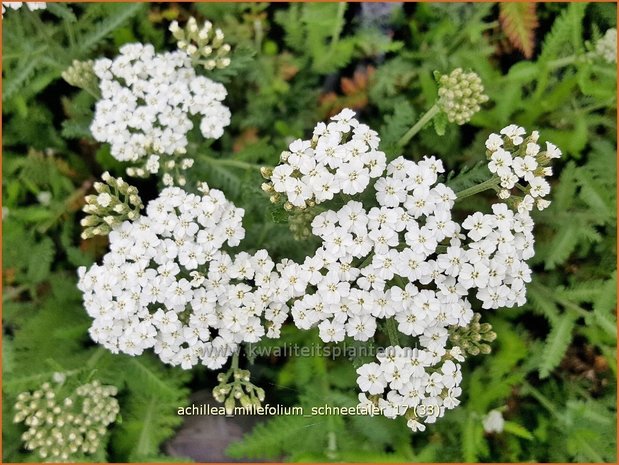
204, 45
460, 95
55, 430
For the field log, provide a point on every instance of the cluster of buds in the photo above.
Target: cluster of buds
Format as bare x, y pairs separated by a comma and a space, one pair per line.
474, 338
606, 47
300, 222
520, 162
234, 386
81, 74
66, 428
115, 202
460, 95
204, 45
172, 170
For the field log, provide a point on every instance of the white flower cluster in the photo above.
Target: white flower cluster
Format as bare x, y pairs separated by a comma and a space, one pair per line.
415, 383
147, 100
369, 262
167, 284
606, 47
407, 261
519, 160
341, 157
32, 6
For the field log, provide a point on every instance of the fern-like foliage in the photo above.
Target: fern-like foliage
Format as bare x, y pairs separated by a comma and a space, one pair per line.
519, 22
39, 51
565, 36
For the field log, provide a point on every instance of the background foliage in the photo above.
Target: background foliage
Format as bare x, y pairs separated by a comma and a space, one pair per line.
553, 367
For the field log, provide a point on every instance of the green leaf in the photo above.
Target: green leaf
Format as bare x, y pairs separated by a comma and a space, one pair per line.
562, 245
395, 127
557, 342
440, 123
517, 430
519, 22
40, 260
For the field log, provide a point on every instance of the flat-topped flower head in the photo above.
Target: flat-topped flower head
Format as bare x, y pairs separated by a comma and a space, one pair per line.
147, 107
523, 165
341, 157
168, 284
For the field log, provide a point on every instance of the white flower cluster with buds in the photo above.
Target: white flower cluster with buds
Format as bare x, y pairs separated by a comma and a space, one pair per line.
606, 47
406, 261
205, 45
167, 284
521, 162
342, 156
415, 383
146, 106
32, 6
404, 264
115, 202
65, 429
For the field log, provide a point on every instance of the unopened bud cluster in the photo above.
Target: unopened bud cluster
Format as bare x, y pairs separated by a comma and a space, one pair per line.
63, 429
606, 47
473, 338
81, 74
300, 223
234, 386
115, 202
460, 95
205, 45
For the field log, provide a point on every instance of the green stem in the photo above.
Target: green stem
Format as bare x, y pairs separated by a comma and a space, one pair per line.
487, 184
233, 163
547, 404
568, 60
94, 358
392, 332
561, 62
235, 361
425, 119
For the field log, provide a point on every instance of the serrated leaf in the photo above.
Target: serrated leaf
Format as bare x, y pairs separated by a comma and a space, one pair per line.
40, 260
557, 342
562, 245
595, 195
440, 123
396, 126
564, 36
519, 21
517, 430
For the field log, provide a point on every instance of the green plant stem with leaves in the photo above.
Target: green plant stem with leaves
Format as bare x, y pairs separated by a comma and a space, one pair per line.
419, 125
484, 186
